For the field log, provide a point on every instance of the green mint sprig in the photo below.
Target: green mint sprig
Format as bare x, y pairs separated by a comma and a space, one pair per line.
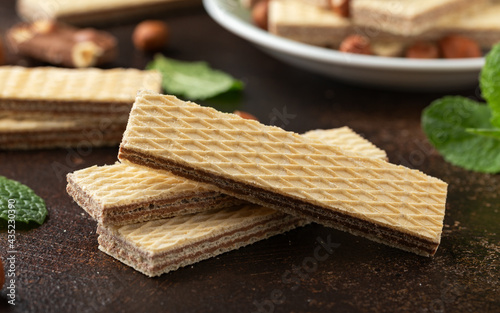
20, 203
193, 80
466, 132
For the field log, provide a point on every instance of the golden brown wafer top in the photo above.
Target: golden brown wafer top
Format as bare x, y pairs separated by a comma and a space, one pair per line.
85, 85
267, 157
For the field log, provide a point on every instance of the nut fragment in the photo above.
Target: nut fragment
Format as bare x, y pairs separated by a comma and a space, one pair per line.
43, 26
260, 13
341, 7
85, 54
151, 35
356, 44
423, 50
455, 46
245, 115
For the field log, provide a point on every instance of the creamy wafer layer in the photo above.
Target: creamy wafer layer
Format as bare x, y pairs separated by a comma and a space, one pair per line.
64, 133
95, 11
307, 23
50, 89
409, 17
121, 194
161, 246
266, 165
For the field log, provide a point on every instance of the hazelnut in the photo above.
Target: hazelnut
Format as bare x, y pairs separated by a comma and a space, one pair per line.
259, 14
356, 44
341, 7
151, 35
245, 115
423, 50
454, 47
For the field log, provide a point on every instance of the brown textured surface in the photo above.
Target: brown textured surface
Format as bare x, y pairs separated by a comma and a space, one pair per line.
61, 269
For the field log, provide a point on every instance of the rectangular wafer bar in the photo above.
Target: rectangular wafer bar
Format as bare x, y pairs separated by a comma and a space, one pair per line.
122, 194
409, 17
59, 133
157, 247
89, 91
92, 12
268, 166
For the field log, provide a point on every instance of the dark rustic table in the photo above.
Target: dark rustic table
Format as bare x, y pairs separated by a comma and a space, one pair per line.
60, 269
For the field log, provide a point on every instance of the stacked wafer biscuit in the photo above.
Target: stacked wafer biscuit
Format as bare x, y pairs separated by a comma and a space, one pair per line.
54, 107
157, 222
396, 24
265, 181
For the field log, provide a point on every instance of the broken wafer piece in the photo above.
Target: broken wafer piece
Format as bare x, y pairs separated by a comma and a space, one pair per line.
122, 194
409, 17
61, 44
89, 91
157, 247
271, 167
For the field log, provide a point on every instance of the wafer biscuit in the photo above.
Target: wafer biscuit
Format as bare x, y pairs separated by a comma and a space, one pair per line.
307, 23
409, 17
121, 194
91, 12
268, 166
312, 25
64, 133
483, 26
91, 91
161, 246
164, 245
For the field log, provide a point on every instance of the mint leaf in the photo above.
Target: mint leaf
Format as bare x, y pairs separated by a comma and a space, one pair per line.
487, 132
448, 121
27, 206
192, 80
490, 83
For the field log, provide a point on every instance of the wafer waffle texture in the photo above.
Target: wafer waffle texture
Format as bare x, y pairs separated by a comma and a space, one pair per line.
268, 166
92, 12
161, 246
121, 194
50, 89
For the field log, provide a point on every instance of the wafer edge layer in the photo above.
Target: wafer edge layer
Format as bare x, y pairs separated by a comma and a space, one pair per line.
133, 256
348, 223
148, 210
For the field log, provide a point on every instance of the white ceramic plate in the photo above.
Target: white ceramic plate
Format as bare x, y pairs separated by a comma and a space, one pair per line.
368, 70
